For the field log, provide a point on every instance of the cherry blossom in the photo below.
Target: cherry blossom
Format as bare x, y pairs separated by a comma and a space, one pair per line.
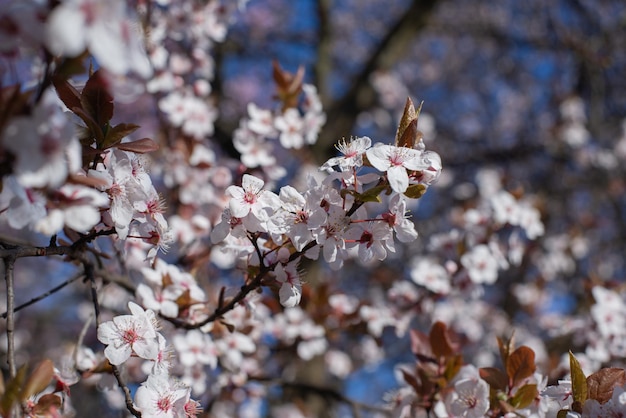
104, 29
291, 289
470, 398
73, 206
131, 334
42, 144
290, 126
481, 264
250, 198
161, 397
352, 151
396, 161
196, 347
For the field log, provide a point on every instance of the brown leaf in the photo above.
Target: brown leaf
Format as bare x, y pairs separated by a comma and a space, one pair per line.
506, 347
96, 99
420, 343
407, 134
411, 380
118, 132
95, 130
48, 404
521, 364
67, 93
600, 385
496, 378
140, 146
288, 85
440, 341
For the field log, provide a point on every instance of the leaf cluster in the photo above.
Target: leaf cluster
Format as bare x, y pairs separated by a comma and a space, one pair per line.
20, 389
438, 361
509, 387
598, 386
94, 106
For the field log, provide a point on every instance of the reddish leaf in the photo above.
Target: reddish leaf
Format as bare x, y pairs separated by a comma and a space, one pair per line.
67, 93
521, 364
439, 340
579, 381
94, 129
496, 378
411, 380
288, 85
96, 99
506, 347
140, 146
407, 134
118, 132
420, 344
600, 385
47, 405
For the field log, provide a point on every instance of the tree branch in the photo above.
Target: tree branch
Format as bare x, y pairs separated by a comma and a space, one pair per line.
9, 263
343, 113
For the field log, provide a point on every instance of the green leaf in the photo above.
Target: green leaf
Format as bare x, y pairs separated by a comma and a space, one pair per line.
11, 394
415, 191
453, 365
579, 381
562, 413
371, 195
524, 396
38, 379
521, 364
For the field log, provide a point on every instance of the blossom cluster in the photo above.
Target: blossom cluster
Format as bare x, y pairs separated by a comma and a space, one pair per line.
237, 308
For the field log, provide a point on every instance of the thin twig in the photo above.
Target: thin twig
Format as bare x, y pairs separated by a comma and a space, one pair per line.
44, 295
129, 401
9, 263
90, 274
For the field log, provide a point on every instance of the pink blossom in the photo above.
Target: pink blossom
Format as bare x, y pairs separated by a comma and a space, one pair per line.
396, 161
131, 334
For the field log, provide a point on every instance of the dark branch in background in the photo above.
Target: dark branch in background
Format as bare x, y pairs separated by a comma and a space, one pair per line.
327, 393
323, 63
342, 114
